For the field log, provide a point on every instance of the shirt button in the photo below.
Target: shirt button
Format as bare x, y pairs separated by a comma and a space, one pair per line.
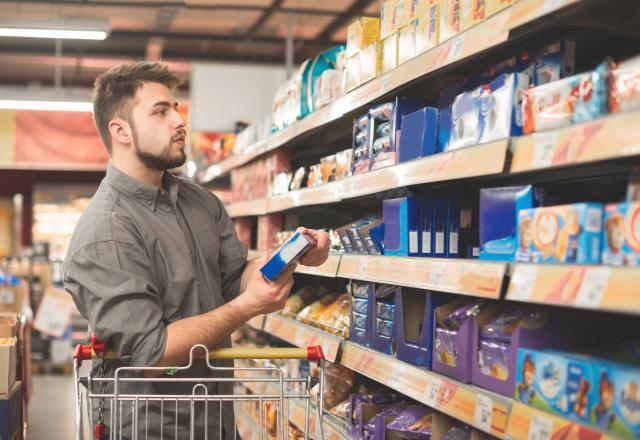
149, 203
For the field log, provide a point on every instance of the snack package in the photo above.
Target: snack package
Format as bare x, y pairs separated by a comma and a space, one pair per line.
359, 321
458, 317
560, 234
578, 98
382, 112
384, 327
493, 358
280, 184
314, 177
385, 310
315, 309
299, 300
335, 318
341, 410
343, 164
412, 423
625, 86
445, 347
465, 120
299, 179
328, 167
621, 234
361, 33
393, 410
427, 26
502, 326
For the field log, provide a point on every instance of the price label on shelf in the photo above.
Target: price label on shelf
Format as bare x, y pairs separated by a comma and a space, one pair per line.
455, 52
594, 285
436, 271
541, 428
522, 282
484, 412
363, 266
432, 391
544, 148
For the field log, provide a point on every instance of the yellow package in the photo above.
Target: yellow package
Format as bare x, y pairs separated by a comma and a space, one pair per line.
361, 33
335, 318
495, 6
370, 62
473, 12
402, 14
406, 43
390, 52
450, 18
427, 26
299, 300
388, 18
313, 311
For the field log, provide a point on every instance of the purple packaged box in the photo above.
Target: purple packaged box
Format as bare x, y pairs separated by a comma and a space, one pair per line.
359, 321
414, 422
385, 310
364, 407
383, 342
384, 327
401, 226
390, 412
361, 304
493, 358
445, 346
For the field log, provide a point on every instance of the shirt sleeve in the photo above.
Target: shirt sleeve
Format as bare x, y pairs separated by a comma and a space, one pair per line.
110, 282
233, 253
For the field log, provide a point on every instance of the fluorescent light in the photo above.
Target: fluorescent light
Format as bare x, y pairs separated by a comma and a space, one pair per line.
64, 106
53, 33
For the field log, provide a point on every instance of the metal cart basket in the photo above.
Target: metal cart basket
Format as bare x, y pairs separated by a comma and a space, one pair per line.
109, 408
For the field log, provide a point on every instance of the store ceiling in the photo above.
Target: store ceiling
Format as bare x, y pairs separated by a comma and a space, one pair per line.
177, 31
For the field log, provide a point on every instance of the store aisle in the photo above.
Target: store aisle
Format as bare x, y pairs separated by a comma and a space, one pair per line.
51, 410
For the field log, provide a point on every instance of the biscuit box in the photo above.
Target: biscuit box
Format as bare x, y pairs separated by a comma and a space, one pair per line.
555, 382
621, 234
289, 253
616, 403
560, 234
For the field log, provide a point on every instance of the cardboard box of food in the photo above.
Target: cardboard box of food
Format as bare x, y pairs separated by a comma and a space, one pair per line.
13, 297
8, 363
361, 33
8, 325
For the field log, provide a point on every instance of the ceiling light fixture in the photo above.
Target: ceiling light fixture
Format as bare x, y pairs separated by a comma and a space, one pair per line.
46, 98
64, 106
58, 29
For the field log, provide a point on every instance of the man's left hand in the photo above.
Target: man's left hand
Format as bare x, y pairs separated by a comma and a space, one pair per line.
320, 252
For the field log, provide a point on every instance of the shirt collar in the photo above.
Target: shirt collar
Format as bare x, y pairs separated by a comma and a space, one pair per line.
144, 193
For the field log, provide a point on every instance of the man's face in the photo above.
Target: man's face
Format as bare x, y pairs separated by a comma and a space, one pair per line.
158, 129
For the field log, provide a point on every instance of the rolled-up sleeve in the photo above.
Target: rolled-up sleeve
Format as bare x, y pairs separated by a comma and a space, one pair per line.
110, 284
233, 253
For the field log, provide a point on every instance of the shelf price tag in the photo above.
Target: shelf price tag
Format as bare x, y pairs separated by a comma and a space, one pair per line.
544, 148
594, 285
363, 266
541, 428
522, 282
484, 412
436, 272
457, 44
432, 392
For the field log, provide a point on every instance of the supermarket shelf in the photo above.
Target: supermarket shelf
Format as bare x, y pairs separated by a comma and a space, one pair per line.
302, 335
604, 138
579, 286
49, 166
530, 423
328, 269
480, 160
247, 427
257, 322
483, 36
482, 409
467, 277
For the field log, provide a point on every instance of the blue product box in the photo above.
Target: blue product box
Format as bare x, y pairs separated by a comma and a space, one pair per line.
361, 141
288, 253
621, 234
554, 62
439, 225
376, 235
401, 226
426, 230
444, 128
555, 382
497, 108
419, 134
453, 228
499, 208
383, 332
560, 234
465, 119
361, 295
616, 403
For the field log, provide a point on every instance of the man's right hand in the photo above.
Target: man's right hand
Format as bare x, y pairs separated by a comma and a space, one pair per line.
262, 296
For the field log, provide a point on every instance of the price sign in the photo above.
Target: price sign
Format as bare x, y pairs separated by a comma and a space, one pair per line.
484, 412
54, 313
432, 391
455, 53
435, 274
593, 286
522, 282
541, 428
363, 266
544, 148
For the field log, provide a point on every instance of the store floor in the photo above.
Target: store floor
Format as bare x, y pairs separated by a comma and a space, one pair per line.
52, 410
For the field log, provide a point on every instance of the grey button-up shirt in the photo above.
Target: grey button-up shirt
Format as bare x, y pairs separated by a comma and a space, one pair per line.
142, 257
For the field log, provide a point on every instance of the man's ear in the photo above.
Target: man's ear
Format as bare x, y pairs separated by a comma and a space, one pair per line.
120, 131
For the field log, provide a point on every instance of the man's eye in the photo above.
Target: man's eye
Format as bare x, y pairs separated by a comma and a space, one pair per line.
162, 112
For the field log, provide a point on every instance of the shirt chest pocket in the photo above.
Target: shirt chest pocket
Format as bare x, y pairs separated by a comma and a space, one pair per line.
208, 243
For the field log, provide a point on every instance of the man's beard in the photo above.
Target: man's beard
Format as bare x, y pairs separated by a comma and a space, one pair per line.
163, 161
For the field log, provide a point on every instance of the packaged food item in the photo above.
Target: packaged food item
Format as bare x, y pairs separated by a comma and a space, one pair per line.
343, 164
427, 26
450, 18
465, 120
621, 234
382, 112
352, 73
359, 321
496, 108
406, 43
493, 358
383, 129
335, 318
315, 309
299, 300
280, 184
314, 177
385, 310
413, 422
360, 305
368, 234
288, 254
560, 234
388, 18
362, 123
381, 152
390, 52
467, 310
298, 179
361, 33
578, 98
445, 347
360, 289
328, 167
339, 383
341, 410
392, 410
625, 86
371, 62
384, 327
360, 162
402, 226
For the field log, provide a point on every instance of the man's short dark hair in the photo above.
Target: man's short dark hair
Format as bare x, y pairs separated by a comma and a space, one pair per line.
114, 90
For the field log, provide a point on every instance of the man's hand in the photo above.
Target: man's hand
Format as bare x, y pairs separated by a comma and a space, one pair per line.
262, 296
320, 252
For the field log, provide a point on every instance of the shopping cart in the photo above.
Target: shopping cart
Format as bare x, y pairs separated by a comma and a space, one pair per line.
135, 407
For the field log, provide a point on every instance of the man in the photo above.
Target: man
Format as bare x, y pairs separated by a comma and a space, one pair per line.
154, 264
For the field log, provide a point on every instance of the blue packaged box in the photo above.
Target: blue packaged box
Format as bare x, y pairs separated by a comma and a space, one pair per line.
465, 119
555, 382
439, 225
383, 331
616, 403
554, 62
560, 234
419, 134
288, 253
621, 234
426, 230
401, 226
497, 110
499, 208
453, 228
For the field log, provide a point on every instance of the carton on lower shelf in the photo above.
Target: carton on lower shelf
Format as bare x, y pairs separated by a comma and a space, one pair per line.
8, 362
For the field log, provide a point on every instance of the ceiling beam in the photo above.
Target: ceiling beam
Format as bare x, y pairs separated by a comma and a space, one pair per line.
179, 4
356, 8
266, 15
